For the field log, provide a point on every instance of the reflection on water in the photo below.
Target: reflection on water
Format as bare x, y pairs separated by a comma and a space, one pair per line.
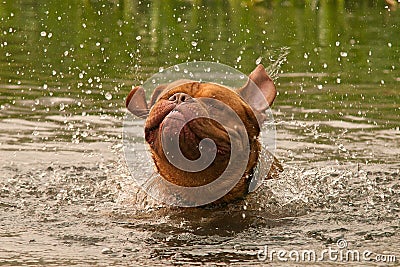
66, 196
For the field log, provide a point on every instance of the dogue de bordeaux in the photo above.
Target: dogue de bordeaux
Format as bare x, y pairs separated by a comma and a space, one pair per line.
173, 103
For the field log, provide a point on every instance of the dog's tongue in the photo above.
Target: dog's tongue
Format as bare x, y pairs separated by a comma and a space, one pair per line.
176, 136
175, 124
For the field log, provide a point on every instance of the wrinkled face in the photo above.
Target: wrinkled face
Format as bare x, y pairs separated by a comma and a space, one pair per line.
195, 111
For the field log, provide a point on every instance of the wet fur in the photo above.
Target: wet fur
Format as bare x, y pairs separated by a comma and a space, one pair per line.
158, 117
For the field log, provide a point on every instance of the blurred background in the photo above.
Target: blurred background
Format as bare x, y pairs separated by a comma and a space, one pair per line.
343, 55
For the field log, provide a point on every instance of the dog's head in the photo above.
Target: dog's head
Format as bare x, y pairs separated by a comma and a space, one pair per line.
189, 112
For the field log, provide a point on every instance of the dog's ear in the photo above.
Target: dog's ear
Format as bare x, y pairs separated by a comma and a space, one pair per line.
262, 97
136, 102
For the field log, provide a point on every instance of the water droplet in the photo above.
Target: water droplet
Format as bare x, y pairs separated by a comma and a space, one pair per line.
108, 96
305, 55
258, 60
45, 86
176, 68
62, 106
319, 86
337, 43
390, 44
138, 38
342, 148
43, 34
179, 19
194, 43
343, 54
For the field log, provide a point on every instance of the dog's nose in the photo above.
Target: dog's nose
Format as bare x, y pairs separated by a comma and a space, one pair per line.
180, 98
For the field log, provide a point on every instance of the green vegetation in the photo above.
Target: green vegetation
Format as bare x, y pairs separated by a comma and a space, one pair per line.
344, 55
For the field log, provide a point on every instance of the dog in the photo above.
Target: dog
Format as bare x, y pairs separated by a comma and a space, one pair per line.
181, 111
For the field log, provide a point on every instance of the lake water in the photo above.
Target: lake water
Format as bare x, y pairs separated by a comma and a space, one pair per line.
67, 197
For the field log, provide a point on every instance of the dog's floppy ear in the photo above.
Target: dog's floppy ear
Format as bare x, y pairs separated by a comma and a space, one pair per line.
136, 102
262, 97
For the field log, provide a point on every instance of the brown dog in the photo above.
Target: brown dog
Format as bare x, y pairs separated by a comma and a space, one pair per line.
182, 109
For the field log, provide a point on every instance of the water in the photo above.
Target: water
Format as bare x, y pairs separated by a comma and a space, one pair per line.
66, 196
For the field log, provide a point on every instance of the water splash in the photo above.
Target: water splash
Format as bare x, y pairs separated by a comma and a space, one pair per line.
275, 64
